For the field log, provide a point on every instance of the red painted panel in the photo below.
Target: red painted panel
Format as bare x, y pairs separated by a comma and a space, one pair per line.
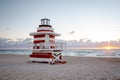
38, 47
52, 36
52, 47
39, 36
41, 55
39, 41
45, 30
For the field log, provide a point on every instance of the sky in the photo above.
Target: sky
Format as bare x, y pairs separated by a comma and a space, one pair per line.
96, 20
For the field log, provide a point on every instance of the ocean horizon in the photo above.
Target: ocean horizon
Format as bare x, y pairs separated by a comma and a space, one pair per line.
71, 52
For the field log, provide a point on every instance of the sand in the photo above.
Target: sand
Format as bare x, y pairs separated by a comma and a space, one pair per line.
15, 67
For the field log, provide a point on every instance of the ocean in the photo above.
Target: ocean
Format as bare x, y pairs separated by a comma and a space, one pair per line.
78, 52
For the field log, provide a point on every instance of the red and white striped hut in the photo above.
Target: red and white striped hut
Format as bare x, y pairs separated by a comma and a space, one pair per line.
45, 49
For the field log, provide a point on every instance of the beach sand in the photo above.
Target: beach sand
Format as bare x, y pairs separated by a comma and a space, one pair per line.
15, 67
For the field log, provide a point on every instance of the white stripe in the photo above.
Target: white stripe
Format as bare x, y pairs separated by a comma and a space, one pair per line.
41, 44
40, 59
44, 28
35, 39
44, 32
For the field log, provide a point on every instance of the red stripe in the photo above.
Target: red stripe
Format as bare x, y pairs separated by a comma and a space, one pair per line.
41, 55
52, 36
52, 47
39, 36
39, 41
45, 30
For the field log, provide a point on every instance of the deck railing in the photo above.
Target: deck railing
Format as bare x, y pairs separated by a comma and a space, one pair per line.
43, 46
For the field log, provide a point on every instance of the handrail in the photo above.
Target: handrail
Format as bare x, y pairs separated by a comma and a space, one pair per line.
43, 46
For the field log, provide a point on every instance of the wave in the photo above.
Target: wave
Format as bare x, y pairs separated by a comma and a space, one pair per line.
81, 52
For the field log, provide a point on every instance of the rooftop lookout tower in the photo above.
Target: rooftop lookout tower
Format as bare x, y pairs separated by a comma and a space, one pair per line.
45, 21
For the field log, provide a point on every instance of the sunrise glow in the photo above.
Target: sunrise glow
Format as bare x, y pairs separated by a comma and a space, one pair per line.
110, 47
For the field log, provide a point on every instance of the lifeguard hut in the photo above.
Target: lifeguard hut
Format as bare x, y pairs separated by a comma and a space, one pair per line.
45, 48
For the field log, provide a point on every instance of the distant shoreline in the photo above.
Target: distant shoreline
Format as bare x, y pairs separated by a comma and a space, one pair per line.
96, 53
14, 49
65, 49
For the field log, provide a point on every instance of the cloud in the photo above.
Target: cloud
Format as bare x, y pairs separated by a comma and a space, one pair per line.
72, 32
9, 43
87, 43
7, 29
82, 43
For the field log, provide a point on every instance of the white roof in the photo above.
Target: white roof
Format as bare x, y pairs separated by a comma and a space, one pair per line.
38, 33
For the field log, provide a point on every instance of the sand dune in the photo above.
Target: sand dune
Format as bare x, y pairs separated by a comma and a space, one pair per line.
15, 67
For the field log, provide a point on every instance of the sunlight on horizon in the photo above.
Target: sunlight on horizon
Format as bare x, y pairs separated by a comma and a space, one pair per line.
110, 47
